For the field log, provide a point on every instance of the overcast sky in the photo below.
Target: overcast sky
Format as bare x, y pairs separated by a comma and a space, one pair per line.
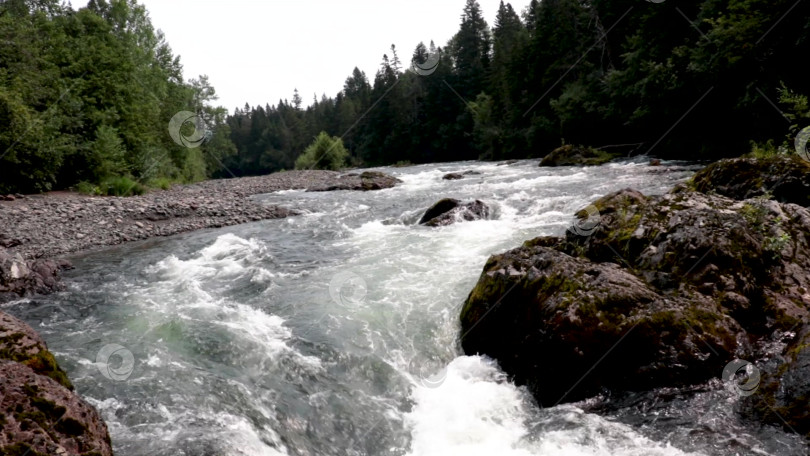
259, 51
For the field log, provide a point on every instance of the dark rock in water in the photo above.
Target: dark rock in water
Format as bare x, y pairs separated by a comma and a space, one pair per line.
19, 277
549, 318
452, 176
655, 162
786, 179
448, 211
471, 173
38, 409
569, 155
644, 292
368, 180
781, 397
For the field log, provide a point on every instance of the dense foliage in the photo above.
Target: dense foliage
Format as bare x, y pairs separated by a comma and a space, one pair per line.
86, 96
674, 79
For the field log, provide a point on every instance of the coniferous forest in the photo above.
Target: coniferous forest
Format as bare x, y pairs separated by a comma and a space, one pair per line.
86, 96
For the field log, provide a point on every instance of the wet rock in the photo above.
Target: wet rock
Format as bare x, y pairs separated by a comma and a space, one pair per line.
452, 176
39, 412
449, 211
658, 291
366, 181
785, 179
550, 320
782, 395
569, 155
21, 344
19, 277
41, 417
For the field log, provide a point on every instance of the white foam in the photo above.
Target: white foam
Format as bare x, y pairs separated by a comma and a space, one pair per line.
476, 412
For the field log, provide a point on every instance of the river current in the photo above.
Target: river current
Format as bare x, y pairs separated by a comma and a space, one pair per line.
336, 332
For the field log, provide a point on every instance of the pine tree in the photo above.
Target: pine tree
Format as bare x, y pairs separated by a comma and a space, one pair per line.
297, 101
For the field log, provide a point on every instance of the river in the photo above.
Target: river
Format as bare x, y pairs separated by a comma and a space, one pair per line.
336, 332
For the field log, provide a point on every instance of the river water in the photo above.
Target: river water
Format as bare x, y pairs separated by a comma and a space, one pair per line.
336, 332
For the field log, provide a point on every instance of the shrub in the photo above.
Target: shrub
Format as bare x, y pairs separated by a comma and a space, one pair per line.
87, 188
325, 152
121, 186
163, 183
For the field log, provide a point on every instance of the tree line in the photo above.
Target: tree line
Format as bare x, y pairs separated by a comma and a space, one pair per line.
676, 79
94, 89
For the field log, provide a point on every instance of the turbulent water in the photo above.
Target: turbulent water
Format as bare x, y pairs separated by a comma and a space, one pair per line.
336, 333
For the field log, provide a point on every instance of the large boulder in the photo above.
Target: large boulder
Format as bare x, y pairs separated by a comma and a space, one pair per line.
785, 179
569, 155
660, 291
365, 181
39, 412
448, 211
551, 319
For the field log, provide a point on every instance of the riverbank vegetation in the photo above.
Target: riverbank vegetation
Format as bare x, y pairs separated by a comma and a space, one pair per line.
86, 96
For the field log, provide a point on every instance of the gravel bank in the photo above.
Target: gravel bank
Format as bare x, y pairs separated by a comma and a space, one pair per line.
59, 223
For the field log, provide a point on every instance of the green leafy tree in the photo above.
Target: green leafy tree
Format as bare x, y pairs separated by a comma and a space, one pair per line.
325, 152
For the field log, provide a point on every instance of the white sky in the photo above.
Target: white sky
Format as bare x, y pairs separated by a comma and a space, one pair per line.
259, 51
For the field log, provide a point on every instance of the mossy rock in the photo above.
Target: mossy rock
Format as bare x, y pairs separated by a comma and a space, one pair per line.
570, 155
38, 412
548, 318
20, 343
784, 179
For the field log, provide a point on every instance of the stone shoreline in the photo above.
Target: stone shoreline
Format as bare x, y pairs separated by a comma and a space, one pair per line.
59, 223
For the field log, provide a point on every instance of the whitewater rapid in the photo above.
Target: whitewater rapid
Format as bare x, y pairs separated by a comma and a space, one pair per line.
336, 332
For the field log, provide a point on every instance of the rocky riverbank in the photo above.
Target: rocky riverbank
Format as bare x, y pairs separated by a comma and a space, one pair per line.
39, 412
36, 230
648, 292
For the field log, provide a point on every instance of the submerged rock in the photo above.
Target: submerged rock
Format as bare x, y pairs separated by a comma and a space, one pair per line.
569, 155
660, 291
449, 211
39, 412
785, 179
